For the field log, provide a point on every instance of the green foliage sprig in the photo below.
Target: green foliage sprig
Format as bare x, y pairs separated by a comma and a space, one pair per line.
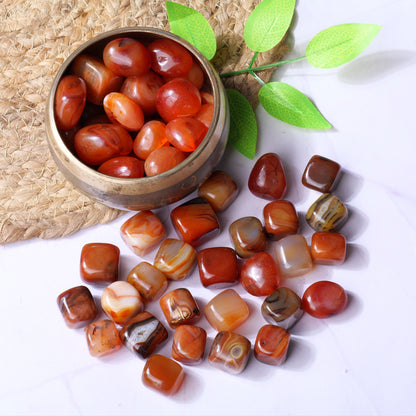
264, 29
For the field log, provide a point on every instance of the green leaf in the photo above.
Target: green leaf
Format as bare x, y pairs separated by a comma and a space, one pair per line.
192, 26
243, 124
268, 23
340, 44
288, 104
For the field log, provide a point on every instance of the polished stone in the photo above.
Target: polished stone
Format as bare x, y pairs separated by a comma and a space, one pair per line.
248, 236
280, 219
327, 213
218, 267
175, 258
226, 311
283, 307
179, 307
220, 190
293, 255
271, 345
328, 247
195, 221
121, 301
143, 334
229, 352
142, 232
321, 174
188, 345
99, 263
77, 306
102, 338
259, 274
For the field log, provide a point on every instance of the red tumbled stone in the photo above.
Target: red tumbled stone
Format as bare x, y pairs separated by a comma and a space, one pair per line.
271, 345
328, 247
321, 174
102, 338
280, 219
188, 344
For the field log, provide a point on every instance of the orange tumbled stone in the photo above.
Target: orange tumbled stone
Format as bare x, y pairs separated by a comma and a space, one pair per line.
328, 248
163, 374
280, 218
102, 338
226, 311
142, 232
188, 344
272, 343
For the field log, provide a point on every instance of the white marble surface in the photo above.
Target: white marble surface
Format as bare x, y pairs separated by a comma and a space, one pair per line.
361, 362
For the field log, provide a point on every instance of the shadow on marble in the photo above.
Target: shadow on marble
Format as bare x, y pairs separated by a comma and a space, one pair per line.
357, 257
256, 370
356, 224
354, 308
300, 355
348, 185
376, 66
192, 387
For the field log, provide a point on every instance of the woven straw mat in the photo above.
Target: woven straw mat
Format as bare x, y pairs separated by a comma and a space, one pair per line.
35, 38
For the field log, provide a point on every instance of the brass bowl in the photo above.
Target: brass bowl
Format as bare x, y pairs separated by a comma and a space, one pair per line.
148, 192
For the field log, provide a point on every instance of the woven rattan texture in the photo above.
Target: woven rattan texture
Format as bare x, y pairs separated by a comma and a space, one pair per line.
35, 38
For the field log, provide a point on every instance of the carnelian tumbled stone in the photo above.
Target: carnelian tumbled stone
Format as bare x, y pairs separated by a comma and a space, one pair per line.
179, 307
150, 137
77, 306
142, 232
195, 221
293, 256
163, 374
226, 311
321, 174
220, 190
99, 263
259, 274
143, 334
229, 352
267, 178
162, 159
328, 248
120, 301
218, 267
185, 133
102, 338
123, 167
149, 281
175, 258
271, 345
324, 298
280, 219
248, 236
188, 345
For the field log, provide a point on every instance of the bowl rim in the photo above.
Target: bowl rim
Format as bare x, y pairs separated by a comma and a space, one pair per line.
55, 139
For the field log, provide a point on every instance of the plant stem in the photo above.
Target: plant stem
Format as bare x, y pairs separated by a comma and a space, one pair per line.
260, 68
257, 78
256, 54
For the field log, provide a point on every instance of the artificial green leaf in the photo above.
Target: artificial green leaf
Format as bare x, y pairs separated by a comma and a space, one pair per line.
243, 124
340, 44
268, 23
288, 104
192, 26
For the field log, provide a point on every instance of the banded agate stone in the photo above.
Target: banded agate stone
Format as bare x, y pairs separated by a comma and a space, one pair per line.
179, 307
148, 281
195, 221
102, 338
324, 298
77, 306
143, 334
99, 263
188, 344
220, 190
259, 274
271, 345
163, 374
229, 352
226, 311
293, 255
175, 258
283, 307
321, 174
218, 267
248, 236
142, 232
121, 301
267, 178
328, 247
280, 219
327, 213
